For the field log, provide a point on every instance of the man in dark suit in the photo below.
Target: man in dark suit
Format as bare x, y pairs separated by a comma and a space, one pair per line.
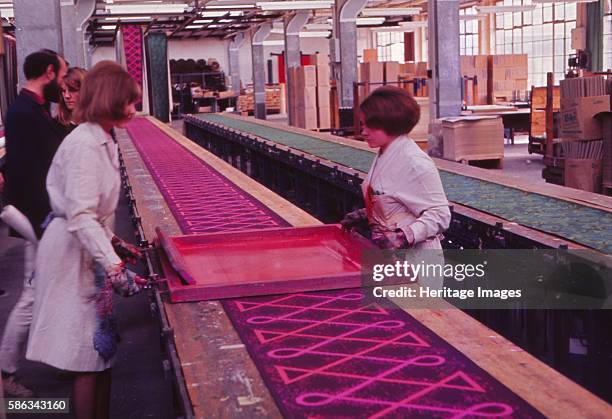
32, 138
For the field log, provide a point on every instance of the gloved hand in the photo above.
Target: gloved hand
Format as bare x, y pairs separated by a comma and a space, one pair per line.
126, 251
353, 218
390, 239
125, 282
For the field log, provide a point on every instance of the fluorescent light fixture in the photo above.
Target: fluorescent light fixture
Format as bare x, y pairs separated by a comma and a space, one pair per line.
114, 19
391, 11
213, 14
146, 8
6, 13
315, 34
202, 21
295, 5
273, 42
361, 21
226, 20
236, 13
318, 26
414, 24
504, 9
194, 26
108, 27
230, 6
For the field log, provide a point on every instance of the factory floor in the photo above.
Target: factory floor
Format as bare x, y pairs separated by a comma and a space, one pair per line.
139, 389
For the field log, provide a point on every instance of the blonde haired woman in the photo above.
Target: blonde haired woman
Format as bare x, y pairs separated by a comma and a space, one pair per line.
70, 97
77, 264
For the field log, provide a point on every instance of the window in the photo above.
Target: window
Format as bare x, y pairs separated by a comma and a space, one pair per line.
468, 32
390, 46
607, 36
544, 33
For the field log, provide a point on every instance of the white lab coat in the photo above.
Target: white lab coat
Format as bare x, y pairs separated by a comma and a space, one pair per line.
83, 185
408, 195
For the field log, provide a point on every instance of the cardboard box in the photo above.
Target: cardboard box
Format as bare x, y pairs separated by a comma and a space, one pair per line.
585, 174
577, 117
482, 73
421, 69
370, 55
325, 117
473, 138
503, 86
307, 117
372, 72
519, 60
498, 73
392, 71
517, 73
323, 100
481, 61
323, 75
307, 76
319, 59
579, 38
307, 97
521, 85
409, 68
467, 61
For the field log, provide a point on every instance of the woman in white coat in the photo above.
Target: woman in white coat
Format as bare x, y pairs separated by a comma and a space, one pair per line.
406, 206
77, 262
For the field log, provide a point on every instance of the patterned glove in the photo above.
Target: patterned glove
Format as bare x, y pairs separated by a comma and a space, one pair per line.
390, 239
126, 251
354, 218
125, 282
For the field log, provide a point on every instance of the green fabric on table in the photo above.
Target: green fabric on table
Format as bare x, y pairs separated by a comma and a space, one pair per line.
588, 226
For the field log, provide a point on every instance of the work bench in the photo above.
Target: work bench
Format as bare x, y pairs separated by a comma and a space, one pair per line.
215, 375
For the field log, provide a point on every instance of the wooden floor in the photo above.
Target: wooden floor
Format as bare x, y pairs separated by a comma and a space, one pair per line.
221, 379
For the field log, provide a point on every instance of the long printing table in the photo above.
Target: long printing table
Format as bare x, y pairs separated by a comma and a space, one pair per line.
181, 187
574, 216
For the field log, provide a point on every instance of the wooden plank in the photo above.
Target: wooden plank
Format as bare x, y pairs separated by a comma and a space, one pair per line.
218, 370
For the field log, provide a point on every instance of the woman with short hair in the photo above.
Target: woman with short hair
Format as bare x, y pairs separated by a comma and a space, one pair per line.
78, 264
70, 97
406, 206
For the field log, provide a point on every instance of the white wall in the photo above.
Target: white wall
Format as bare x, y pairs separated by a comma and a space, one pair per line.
101, 54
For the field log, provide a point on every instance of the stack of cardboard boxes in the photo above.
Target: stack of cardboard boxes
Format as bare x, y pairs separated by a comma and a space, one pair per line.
390, 72
311, 100
306, 95
581, 100
323, 90
507, 77
476, 66
468, 138
370, 72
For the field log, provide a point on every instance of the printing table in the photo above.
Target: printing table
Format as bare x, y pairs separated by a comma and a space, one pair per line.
216, 376
517, 205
